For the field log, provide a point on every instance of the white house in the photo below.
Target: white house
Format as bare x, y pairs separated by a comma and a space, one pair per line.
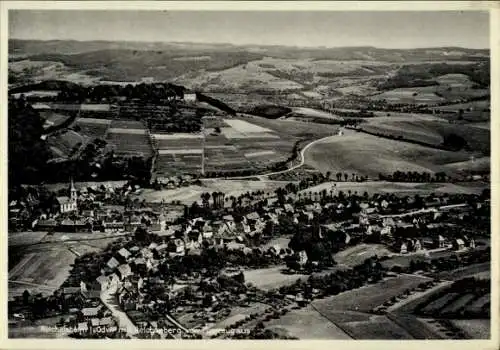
403, 249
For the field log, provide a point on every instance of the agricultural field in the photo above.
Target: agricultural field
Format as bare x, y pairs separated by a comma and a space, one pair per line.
240, 312
356, 255
483, 269
241, 78
307, 323
129, 137
41, 269
241, 146
25, 238
183, 162
409, 96
53, 118
271, 278
409, 126
93, 127
476, 329
353, 153
378, 327
454, 80
366, 298
65, 144
468, 106
222, 159
190, 194
456, 303
271, 74
290, 129
428, 129
47, 70
401, 188
310, 113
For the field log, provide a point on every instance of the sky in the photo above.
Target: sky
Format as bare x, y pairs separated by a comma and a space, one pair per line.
386, 29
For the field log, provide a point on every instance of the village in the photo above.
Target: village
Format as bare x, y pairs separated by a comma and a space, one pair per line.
185, 268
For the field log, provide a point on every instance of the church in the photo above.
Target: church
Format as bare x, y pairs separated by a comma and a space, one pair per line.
68, 204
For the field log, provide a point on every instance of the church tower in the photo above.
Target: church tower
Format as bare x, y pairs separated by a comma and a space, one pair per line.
73, 197
72, 192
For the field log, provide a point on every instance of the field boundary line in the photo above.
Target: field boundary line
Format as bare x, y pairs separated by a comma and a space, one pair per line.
342, 328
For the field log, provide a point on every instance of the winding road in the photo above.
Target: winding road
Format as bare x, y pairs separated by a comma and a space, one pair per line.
261, 176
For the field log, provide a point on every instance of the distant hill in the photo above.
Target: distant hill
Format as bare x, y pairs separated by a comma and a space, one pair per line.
67, 47
316, 73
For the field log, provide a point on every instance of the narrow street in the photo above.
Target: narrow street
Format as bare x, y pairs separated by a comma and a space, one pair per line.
124, 322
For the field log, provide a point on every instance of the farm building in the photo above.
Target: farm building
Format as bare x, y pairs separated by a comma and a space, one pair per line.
458, 244
403, 248
440, 242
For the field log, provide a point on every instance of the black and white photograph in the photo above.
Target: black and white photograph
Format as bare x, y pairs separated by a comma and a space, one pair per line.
210, 174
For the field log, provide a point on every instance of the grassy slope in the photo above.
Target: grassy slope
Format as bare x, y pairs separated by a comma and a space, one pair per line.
370, 155
429, 129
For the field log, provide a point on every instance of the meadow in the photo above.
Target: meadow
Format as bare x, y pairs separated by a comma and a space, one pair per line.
353, 153
190, 194
41, 270
271, 278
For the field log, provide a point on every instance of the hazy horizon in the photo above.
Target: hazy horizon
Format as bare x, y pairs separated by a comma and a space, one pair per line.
253, 44
385, 30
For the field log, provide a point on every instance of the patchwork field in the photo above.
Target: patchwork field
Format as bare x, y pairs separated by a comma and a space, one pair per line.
350, 311
46, 70
241, 78
241, 146
169, 164
453, 304
129, 138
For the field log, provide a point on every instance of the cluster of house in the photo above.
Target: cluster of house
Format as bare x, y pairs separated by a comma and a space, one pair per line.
86, 212
386, 226
371, 220
132, 275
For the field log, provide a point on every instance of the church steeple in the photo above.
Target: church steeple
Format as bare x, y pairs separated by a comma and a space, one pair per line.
72, 191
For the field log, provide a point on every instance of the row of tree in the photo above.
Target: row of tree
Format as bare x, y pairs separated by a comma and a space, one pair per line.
71, 92
414, 176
